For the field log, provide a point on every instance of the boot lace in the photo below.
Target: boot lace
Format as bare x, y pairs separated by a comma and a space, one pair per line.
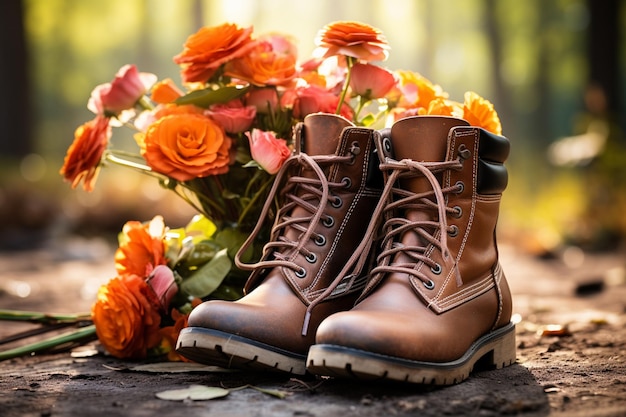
429, 232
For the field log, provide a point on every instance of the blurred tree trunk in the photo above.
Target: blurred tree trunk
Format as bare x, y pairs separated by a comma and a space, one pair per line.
501, 99
15, 121
603, 49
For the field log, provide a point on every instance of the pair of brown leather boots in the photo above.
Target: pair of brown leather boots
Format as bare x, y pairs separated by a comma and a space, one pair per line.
382, 262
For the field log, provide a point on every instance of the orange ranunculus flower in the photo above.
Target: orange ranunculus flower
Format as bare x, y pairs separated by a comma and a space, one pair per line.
186, 146
165, 91
206, 50
353, 39
82, 161
127, 317
271, 62
480, 112
141, 247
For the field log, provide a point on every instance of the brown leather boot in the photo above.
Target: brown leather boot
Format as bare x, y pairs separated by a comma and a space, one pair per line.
310, 268
438, 303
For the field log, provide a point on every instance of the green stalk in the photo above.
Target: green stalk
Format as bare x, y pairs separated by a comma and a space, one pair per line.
80, 335
346, 84
254, 200
43, 318
113, 156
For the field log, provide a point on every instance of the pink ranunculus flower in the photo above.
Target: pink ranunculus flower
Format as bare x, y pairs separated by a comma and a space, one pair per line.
234, 117
267, 150
265, 100
163, 283
371, 81
122, 93
314, 99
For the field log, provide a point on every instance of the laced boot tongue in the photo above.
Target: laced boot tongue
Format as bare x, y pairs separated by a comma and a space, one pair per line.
320, 134
421, 139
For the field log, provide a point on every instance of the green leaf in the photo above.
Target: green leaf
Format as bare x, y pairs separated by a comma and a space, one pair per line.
200, 225
207, 97
252, 164
193, 392
232, 239
368, 120
209, 276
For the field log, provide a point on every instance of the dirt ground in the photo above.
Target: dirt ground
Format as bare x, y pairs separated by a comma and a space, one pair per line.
571, 352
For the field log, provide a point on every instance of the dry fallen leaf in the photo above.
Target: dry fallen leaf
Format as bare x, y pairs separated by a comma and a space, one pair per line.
193, 392
555, 330
176, 367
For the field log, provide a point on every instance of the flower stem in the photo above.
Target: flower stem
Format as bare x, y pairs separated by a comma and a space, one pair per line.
121, 158
80, 335
346, 84
43, 318
254, 200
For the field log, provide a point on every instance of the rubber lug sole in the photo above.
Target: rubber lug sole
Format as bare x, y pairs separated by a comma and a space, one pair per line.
213, 347
494, 350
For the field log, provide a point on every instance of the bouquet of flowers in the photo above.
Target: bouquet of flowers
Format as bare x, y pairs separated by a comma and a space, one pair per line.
217, 142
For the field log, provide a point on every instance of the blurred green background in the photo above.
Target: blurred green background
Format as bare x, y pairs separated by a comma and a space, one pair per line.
555, 70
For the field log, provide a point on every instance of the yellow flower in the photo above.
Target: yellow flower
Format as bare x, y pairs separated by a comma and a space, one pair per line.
480, 112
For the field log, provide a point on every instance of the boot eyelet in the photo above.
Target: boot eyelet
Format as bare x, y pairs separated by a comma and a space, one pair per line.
300, 273
453, 231
464, 153
436, 270
457, 212
355, 148
429, 285
320, 240
460, 187
347, 182
311, 258
336, 202
328, 222
387, 145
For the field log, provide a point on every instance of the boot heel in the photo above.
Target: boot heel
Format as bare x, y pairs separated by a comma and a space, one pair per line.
503, 351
